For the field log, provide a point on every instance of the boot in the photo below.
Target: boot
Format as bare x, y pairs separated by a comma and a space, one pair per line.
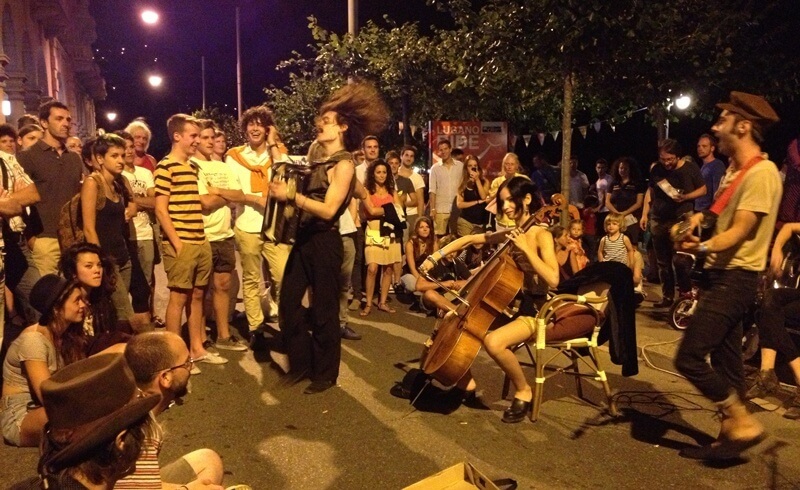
739, 431
793, 407
766, 383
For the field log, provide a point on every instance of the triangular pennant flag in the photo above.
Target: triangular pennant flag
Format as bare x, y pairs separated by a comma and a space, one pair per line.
597, 127
400, 127
541, 136
527, 139
555, 134
613, 128
583, 129
413, 129
513, 140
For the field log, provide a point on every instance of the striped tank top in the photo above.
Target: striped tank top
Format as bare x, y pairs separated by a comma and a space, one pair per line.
614, 250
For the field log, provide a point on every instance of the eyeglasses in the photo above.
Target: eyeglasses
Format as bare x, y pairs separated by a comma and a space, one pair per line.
669, 160
186, 365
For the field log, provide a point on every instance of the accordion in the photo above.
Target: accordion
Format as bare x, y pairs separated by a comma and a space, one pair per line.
282, 219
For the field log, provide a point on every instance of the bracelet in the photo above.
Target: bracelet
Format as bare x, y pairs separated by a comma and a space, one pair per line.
703, 248
441, 254
182, 487
432, 259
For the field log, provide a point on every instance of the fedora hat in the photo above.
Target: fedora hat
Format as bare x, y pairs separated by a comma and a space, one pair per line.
45, 293
754, 108
88, 403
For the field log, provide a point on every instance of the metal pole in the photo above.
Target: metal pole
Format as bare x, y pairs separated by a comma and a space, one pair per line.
203, 75
238, 67
352, 17
352, 23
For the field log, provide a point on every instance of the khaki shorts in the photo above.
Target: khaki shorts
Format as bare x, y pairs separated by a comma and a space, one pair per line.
191, 268
223, 256
440, 223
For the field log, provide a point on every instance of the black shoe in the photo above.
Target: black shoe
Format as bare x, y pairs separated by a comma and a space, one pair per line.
517, 412
293, 377
472, 399
349, 334
318, 387
664, 303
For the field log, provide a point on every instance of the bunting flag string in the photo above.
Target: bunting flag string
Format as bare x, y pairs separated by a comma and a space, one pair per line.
597, 125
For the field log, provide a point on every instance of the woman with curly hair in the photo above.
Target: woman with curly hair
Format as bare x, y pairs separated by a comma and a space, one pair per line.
56, 340
383, 251
312, 337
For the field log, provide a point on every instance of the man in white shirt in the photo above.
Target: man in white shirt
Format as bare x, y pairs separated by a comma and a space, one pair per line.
408, 154
444, 181
578, 184
219, 188
252, 164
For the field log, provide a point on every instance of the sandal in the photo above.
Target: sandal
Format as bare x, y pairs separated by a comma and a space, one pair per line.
365, 311
385, 307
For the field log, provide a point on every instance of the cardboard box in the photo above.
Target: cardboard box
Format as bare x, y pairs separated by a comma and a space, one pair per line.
462, 476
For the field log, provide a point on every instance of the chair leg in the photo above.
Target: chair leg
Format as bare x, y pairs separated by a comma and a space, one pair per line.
601, 375
538, 386
576, 369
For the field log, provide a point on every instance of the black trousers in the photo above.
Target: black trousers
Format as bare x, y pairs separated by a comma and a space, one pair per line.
312, 336
665, 255
779, 304
716, 329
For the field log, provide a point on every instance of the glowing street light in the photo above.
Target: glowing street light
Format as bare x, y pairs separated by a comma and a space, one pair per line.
683, 102
150, 17
111, 116
155, 80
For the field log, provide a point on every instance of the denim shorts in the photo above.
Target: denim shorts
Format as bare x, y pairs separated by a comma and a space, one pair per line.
14, 409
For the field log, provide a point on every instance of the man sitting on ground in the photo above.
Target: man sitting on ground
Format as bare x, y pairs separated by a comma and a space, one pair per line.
161, 365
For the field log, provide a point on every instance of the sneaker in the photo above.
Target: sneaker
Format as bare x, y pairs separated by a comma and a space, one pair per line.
212, 359
349, 334
793, 407
195, 370
231, 343
664, 303
209, 346
766, 383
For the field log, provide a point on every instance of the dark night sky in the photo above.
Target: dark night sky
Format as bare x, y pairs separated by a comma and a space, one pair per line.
271, 30
189, 29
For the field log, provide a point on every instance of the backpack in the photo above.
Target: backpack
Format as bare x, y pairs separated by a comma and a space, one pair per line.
70, 218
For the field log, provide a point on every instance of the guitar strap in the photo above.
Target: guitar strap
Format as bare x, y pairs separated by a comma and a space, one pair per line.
726, 193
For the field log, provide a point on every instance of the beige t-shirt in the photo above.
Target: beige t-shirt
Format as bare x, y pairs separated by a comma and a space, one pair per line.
759, 192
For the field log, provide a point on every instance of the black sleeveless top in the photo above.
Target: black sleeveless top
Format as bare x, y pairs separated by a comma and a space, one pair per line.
477, 214
111, 229
317, 187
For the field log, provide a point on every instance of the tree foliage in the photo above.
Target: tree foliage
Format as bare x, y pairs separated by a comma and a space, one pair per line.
226, 122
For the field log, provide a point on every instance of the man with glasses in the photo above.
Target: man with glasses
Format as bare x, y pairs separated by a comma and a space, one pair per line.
161, 365
675, 182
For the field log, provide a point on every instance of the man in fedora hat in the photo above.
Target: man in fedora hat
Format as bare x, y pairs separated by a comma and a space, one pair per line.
743, 218
161, 365
92, 441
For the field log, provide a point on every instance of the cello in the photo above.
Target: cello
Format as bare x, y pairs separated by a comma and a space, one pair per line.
457, 338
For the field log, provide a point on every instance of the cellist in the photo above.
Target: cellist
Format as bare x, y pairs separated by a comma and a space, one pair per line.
534, 254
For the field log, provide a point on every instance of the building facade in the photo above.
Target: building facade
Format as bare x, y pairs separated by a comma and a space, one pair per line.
46, 53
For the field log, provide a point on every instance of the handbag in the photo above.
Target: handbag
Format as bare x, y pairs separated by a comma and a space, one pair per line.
374, 238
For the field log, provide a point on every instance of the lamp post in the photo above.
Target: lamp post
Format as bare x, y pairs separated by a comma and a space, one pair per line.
681, 103
111, 116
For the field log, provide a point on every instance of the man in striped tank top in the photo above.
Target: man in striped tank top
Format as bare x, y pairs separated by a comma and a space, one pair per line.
186, 252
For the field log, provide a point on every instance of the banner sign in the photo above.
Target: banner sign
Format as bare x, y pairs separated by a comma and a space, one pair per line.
486, 140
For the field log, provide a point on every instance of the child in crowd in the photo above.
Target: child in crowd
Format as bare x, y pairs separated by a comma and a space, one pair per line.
617, 247
577, 240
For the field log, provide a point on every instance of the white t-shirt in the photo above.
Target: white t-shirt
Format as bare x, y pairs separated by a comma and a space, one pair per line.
141, 179
249, 218
419, 183
361, 172
444, 182
221, 175
603, 185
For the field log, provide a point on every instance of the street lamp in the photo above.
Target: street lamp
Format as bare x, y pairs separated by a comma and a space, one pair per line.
155, 80
149, 16
682, 103
111, 116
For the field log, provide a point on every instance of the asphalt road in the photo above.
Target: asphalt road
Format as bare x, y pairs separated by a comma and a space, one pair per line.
358, 436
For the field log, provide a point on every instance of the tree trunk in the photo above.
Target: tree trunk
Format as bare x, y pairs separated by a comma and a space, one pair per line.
566, 145
406, 123
660, 120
